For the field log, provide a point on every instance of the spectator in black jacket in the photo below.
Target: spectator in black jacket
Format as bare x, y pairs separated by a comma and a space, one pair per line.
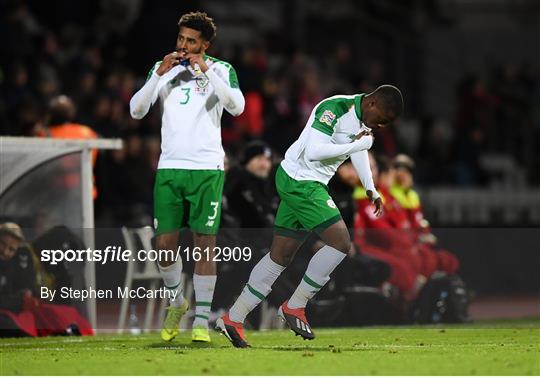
22, 313
251, 201
250, 189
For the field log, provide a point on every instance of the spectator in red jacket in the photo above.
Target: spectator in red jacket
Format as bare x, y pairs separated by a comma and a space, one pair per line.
434, 257
380, 238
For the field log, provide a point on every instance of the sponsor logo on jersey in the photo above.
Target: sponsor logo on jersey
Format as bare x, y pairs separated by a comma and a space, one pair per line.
327, 117
331, 204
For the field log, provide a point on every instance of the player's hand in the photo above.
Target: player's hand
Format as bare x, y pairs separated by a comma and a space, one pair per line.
197, 60
169, 61
378, 207
377, 202
364, 133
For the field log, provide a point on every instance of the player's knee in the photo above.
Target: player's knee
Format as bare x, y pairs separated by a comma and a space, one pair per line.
166, 242
337, 236
343, 245
283, 258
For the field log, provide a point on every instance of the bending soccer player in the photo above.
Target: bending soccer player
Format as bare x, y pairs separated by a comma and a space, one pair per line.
193, 89
338, 127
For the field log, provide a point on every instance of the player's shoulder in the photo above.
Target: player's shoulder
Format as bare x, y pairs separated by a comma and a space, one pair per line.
220, 63
225, 70
338, 104
155, 66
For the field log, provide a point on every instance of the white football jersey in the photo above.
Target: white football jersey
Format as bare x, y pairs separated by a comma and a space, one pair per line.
191, 115
337, 116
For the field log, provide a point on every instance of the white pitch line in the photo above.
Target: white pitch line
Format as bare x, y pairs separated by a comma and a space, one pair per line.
89, 339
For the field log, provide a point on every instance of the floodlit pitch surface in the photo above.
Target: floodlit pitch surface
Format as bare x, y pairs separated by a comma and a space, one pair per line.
496, 348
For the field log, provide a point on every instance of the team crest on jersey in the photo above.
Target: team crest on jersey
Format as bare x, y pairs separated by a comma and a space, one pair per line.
202, 81
331, 204
327, 117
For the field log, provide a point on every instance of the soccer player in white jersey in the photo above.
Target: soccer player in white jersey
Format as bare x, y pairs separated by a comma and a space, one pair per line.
338, 128
193, 89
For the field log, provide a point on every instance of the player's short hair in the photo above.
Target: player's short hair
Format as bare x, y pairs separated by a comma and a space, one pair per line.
201, 22
390, 99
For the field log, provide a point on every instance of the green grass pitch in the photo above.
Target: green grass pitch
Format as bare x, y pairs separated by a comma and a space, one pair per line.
496, 348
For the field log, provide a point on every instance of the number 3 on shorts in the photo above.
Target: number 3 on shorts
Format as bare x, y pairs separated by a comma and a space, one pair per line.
211, 218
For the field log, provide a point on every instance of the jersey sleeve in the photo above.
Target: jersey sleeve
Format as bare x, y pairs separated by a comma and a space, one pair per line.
223, 78
232, 77
153, 69
327, 115
227, 73
145, 97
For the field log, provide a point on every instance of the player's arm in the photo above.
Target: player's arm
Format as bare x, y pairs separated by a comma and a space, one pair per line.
227, 89
320, 147
360, 162
141, 101
231, 98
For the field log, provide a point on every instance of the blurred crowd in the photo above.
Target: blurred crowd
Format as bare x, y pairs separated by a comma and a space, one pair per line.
78, 51
91, 57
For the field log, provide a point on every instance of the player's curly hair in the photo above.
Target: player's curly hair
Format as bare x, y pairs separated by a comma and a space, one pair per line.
391, 99
199, 21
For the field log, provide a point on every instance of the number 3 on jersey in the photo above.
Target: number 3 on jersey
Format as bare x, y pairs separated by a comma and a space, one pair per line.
211, 218
186, 94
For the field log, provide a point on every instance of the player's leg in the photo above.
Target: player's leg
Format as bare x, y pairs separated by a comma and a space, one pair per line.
204, 191
168, 213
337, 244
204, 282
316, 211
286, 242
263, 276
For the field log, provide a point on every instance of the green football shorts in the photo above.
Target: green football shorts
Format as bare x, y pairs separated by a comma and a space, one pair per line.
305, 206
188, 198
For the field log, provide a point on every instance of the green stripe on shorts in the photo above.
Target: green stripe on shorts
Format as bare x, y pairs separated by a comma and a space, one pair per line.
327, 223
299, 235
